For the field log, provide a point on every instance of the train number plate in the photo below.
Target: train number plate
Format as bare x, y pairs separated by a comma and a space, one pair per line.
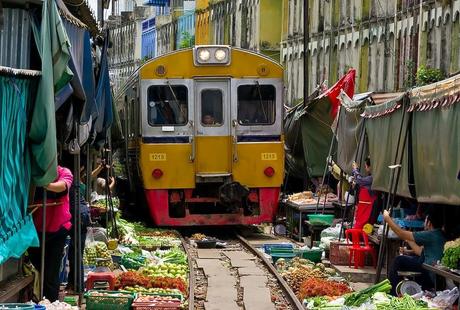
268, 156
157, 156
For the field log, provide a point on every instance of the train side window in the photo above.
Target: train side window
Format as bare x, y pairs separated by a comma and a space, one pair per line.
256, 105
167, 105
211, 107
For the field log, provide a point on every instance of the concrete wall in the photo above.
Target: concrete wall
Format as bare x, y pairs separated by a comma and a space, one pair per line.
385, 41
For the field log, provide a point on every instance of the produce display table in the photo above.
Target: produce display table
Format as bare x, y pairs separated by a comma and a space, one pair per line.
300, 209
443, 273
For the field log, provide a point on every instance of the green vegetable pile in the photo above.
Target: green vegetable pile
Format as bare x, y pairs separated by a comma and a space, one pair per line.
358, 298
133, 260
173, 256
451, 257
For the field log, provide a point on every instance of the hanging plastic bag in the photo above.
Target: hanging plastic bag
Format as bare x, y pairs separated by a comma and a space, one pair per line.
446, 298
90, 253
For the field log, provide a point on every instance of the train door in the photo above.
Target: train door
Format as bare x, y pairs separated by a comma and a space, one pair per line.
212, 128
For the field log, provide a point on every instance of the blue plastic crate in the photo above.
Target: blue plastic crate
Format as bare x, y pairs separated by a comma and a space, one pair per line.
268, 247
412, 224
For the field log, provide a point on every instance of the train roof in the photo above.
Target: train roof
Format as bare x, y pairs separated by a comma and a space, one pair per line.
180, 65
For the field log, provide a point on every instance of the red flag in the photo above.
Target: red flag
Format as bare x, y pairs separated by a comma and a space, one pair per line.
347, 83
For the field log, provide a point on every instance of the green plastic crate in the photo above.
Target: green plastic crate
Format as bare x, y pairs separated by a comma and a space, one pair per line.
110, 301
321, 219
311, 255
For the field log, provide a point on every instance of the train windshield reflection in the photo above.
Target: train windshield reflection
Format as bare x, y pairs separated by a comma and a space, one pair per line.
256, 104
167, 105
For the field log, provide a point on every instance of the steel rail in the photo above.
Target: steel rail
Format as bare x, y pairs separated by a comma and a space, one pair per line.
290, 296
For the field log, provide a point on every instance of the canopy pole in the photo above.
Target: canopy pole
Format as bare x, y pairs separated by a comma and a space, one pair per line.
42, 256
393, 187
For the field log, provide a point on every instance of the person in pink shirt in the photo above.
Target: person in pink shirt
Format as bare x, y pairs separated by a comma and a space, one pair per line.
57, 228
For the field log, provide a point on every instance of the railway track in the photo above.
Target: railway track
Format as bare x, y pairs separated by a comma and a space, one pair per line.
237, 276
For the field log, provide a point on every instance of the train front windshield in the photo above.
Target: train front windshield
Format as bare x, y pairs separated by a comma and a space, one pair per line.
168, 105
256, 105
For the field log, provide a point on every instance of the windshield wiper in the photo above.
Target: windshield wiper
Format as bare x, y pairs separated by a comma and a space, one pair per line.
260, 102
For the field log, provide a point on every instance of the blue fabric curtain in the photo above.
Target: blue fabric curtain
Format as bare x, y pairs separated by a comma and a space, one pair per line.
17, 231
104, 94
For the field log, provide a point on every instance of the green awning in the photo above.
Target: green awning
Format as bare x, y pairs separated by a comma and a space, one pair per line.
436, 141
53, 46
383, 128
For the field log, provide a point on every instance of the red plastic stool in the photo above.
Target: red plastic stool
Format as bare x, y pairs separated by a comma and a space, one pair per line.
108, 277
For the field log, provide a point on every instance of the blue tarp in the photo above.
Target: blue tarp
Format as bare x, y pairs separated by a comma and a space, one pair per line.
104, 94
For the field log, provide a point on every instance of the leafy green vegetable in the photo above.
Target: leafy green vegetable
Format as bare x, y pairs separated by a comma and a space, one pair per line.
451, 257
358, 298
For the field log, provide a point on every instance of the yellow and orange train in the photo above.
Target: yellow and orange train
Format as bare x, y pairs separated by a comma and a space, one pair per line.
203, 129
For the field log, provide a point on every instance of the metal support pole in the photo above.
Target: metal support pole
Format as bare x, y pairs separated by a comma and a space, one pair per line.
42, 257
89, 169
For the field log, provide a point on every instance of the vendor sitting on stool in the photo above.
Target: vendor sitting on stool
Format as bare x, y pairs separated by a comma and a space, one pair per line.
366, 197
427, 246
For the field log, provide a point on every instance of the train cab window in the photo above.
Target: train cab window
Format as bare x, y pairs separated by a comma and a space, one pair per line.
168, 105
211, 107
256, 105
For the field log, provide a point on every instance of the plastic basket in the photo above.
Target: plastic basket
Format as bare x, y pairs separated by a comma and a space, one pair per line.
312, 255
321, 219
339, 253
286, 256
174, 295
268, 247
110, 300
151, 303
17, 306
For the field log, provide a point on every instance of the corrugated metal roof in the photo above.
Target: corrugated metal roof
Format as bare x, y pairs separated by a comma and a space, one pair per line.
15, 39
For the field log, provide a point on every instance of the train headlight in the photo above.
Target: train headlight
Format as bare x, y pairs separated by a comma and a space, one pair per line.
269, 172
204, 55
211, 55
220, 55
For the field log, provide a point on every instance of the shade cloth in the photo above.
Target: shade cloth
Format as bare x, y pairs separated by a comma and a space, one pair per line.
53, 46
383, 129
436, 141
17, 231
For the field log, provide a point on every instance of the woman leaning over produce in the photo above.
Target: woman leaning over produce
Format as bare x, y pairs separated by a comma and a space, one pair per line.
57, 227
427, 247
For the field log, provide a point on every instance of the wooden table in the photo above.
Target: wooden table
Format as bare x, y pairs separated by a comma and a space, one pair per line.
294, 208
443, 273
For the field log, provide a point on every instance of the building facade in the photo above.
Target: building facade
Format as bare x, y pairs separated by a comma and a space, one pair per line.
385, 41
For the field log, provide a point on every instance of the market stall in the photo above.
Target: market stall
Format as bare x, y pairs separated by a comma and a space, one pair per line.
145, 267
304, 203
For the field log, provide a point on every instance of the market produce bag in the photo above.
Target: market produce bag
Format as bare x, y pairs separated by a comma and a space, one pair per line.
96, 252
